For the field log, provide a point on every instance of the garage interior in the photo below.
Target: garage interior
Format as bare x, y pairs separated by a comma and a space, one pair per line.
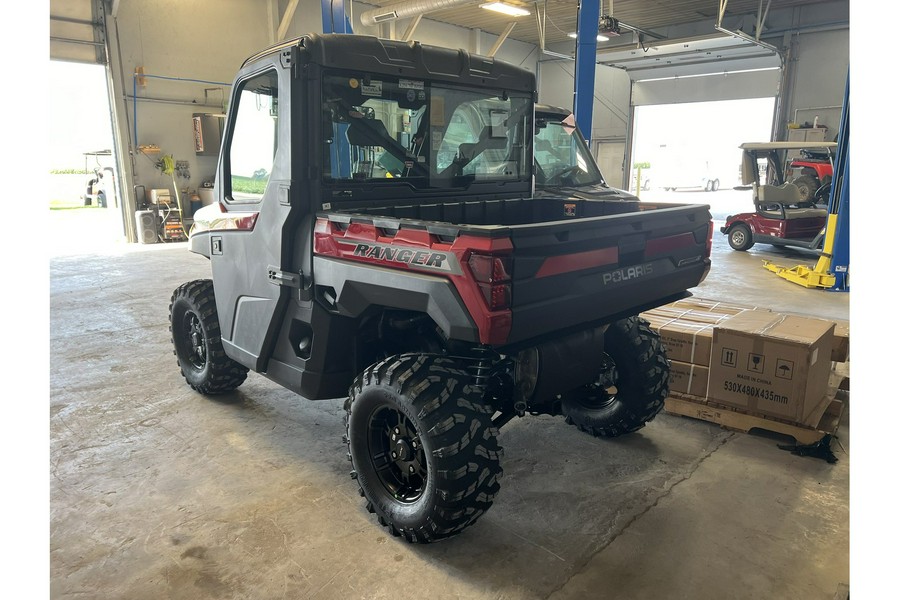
158, 492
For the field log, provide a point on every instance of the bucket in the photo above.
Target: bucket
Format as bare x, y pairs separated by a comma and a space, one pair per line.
207, 195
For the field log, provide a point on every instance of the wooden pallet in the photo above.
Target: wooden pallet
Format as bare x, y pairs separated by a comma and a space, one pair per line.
745, 422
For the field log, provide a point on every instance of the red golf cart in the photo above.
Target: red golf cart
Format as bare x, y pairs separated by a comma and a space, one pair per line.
782, 216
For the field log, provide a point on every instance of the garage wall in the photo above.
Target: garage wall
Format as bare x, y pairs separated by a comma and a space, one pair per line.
819, 77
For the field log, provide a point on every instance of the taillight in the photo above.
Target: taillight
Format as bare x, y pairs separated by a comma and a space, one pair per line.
493, 275
709, 240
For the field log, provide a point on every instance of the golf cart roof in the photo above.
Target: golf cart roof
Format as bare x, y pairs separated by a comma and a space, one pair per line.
787, 145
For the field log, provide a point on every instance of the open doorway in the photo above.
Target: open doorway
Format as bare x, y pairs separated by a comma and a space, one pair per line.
695, 146
85, 208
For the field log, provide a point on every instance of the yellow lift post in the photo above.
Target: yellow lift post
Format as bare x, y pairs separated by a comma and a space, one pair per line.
819, 276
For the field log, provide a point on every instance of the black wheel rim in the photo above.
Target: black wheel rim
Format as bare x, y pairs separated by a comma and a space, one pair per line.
602, 393
195, 340
397, 454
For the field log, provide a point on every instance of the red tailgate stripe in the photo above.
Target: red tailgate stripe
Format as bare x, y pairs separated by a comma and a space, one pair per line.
667, 244
557, 265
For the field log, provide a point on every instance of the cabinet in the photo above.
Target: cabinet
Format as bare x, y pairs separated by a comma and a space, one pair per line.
806, 134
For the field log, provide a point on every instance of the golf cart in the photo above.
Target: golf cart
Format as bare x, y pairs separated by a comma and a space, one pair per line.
782, 216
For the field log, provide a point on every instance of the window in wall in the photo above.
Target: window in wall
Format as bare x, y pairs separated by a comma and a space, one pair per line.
251, 152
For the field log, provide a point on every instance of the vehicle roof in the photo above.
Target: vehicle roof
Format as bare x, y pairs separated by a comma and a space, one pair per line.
413, 59
786, 145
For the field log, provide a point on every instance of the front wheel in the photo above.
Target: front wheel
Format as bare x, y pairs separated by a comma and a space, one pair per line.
632, 388
194, 325
740, 237
422, 445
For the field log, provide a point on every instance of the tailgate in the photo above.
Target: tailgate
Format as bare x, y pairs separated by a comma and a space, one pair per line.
571, 273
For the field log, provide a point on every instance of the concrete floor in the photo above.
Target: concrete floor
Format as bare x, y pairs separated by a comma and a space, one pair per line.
157, 492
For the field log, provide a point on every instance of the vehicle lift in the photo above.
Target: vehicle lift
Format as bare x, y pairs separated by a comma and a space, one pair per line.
832, 270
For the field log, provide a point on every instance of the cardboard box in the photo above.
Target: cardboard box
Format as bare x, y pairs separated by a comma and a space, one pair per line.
772, 364
840, 352
713, 305
685, 378
685, 341
693, 315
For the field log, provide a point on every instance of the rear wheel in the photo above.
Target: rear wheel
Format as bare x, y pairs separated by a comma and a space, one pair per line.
740, 237
715, 185
632, 388
423, 448
194, 325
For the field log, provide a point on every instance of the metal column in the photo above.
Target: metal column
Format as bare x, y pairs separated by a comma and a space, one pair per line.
586, 65
334, 20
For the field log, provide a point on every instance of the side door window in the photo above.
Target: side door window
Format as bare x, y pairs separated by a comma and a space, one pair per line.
254, 141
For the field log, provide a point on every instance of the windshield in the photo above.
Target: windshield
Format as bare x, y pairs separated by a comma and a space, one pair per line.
561, 156
421, 133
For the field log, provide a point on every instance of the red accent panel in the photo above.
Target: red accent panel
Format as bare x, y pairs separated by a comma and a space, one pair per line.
557, 265
207, 219
665, 245
493, 326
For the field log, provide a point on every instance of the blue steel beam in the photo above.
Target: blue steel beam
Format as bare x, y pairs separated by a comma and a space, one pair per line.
586, 65
334, 20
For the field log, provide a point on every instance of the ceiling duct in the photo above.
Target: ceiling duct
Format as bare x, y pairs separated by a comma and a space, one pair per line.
403, 10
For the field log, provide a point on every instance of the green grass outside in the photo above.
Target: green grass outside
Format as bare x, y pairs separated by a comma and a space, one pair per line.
248, 185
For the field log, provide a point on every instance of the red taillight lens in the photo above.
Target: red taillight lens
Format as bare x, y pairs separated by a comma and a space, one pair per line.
493, 274
487, 268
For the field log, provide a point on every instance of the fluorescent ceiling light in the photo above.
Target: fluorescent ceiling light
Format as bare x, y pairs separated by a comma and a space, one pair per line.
600, 38
506, 9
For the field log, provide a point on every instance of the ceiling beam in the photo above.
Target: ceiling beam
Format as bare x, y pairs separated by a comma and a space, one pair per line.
286, 19
501, 39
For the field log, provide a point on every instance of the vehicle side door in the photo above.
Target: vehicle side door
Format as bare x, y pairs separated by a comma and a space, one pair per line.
251, 256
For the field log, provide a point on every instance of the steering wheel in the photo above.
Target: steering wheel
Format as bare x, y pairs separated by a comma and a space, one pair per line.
560, 174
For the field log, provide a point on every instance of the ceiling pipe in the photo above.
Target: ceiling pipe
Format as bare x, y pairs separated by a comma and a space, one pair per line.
403, 10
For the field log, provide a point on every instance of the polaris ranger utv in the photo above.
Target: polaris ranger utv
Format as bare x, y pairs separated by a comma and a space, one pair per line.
375, 231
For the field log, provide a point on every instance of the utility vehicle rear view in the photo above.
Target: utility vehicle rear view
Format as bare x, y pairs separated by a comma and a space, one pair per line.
376, 238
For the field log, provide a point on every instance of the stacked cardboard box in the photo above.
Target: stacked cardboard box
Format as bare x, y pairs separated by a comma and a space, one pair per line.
750, 359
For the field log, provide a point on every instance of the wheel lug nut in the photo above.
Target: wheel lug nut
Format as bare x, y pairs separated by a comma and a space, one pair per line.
412, 469
393, 455
414, 445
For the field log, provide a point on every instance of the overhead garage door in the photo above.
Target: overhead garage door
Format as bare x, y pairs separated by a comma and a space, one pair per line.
686, 96
720, 68
75, 32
